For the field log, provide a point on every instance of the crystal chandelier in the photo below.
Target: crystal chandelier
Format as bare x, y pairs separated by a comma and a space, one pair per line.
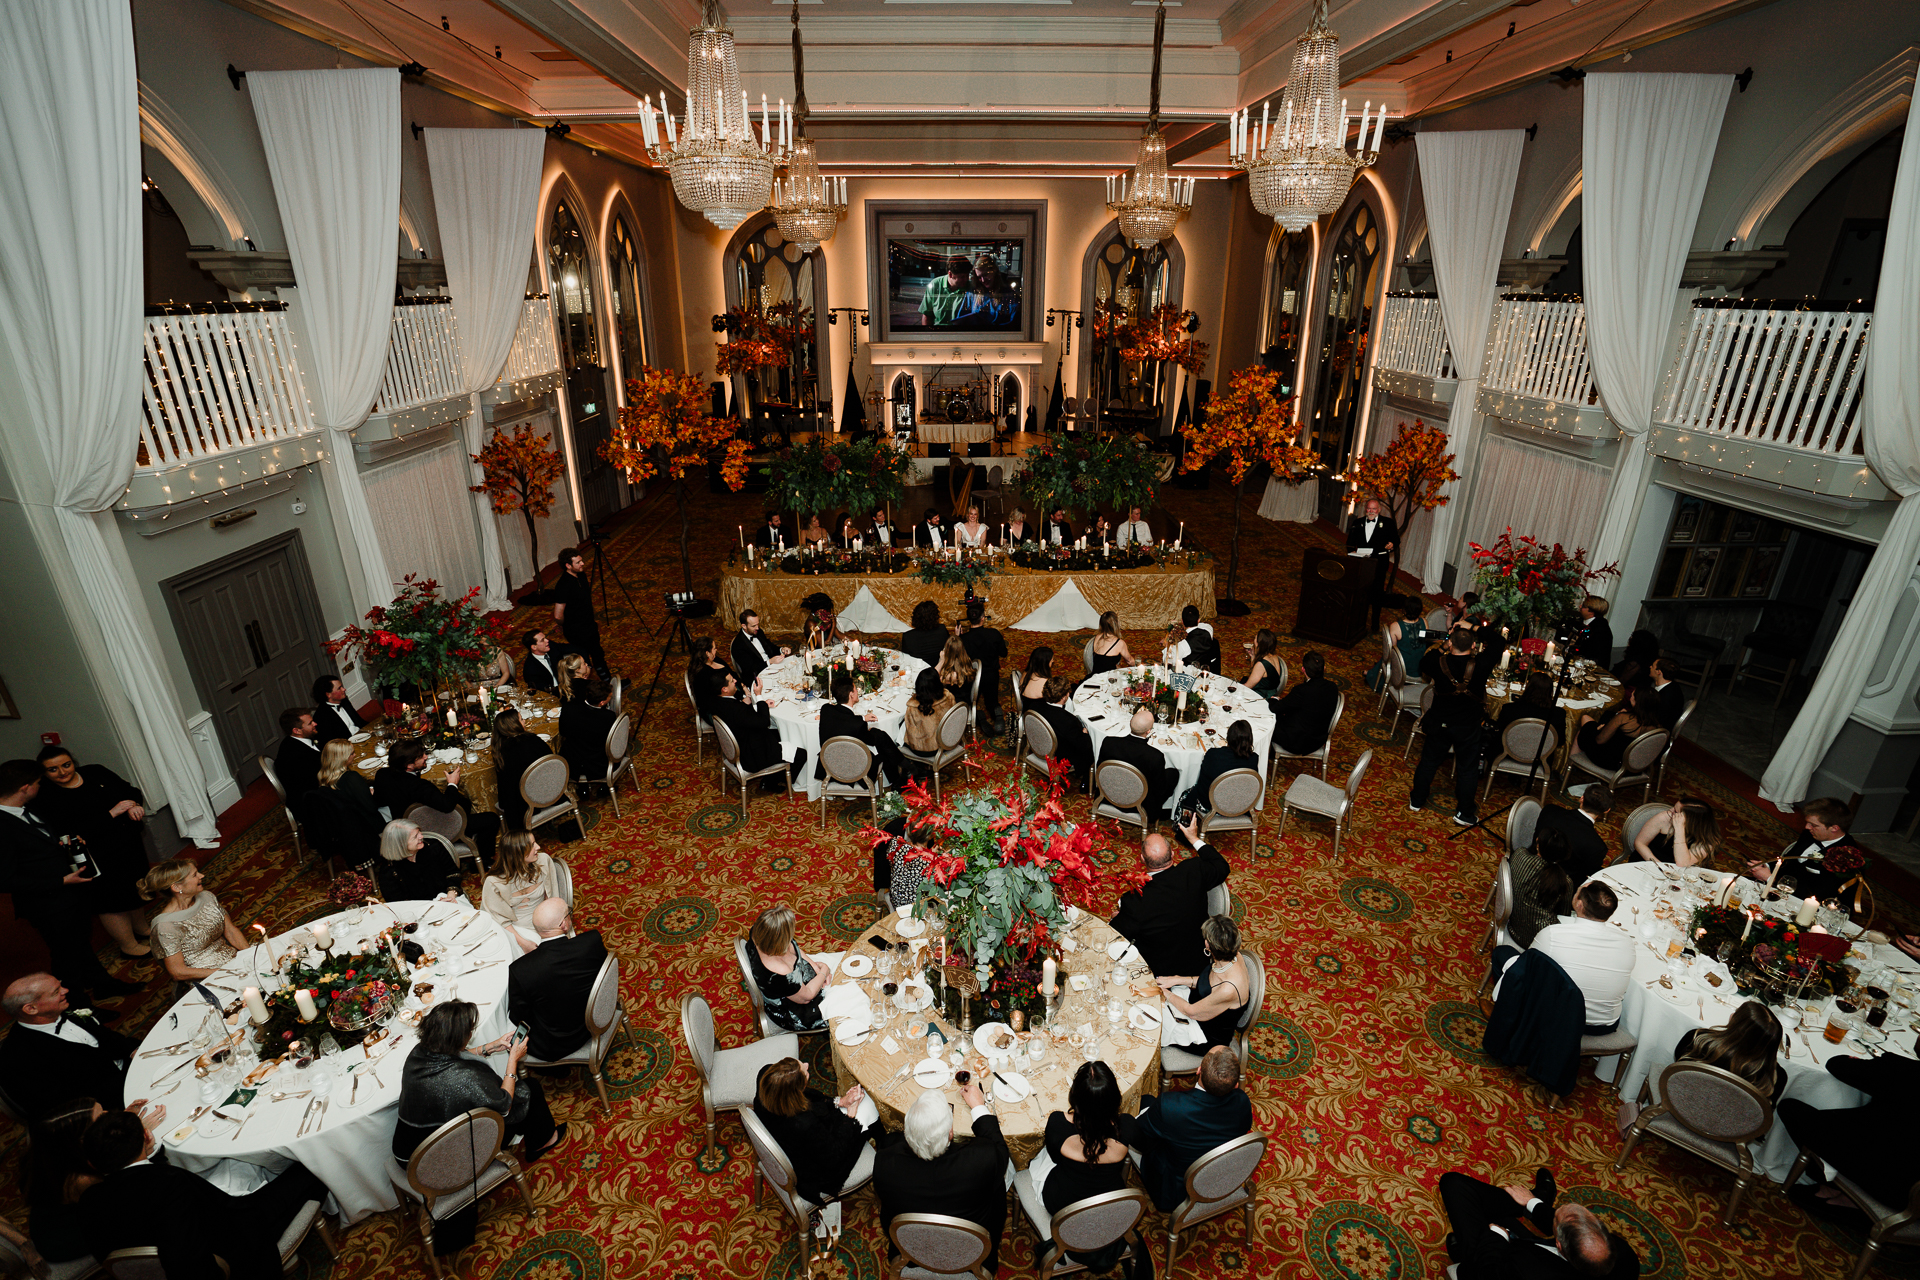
806, 206
1147, 201
718, 167
1298, 167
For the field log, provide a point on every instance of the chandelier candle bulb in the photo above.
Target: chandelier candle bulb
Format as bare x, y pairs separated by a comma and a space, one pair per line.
1379, 127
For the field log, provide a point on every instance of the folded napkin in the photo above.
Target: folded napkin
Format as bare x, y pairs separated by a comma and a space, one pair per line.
847, 1002
891, 1045
1178, 1030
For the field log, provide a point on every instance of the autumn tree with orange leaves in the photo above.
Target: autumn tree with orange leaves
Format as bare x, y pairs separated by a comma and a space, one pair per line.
1250, 424
519, 469
1408, 477
666, 430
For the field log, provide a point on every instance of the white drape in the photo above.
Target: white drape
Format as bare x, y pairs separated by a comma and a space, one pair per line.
486, 198
1890, 409
333, 148
1467, 180
1537, 492
1647, 146
1298, 501
411, 498
70, 321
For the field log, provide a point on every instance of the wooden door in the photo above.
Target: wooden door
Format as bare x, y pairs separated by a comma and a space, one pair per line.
249, 624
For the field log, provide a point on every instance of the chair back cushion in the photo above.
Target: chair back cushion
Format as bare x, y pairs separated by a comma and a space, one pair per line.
1645, 751
728, 744
448, 826
1522, 819
1235, 792
773, 1161
1122, 785
1396, 667
617, 696
140, 1263
1630, 829
953, 725
544, 782
603, 1000
686, 682
1256, 987
617, 738
1096, 1222
1039, 734
940, 1243
696, 1024
454, 1155
846, 760
740, 946
1436, 620
1225, 1169
1521, 739
563, 881
1339, 709
1359, 773
1715, 1104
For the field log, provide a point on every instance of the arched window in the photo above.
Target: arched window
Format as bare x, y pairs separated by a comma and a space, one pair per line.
629, 301
1286, 315
570, 273
1353, 278
1128, 283
765, 272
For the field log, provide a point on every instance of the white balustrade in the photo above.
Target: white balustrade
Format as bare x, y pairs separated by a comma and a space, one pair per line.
534, 352
216, 382
423, 357
1539, 348
1413, 338
1779, 377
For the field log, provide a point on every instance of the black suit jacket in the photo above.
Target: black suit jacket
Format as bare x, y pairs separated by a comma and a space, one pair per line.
840, 721
766, 535
298, 766
1217, 761
1302, 717
547, 989
327, 715
1049, 527
968, 1181
1203, 650
1673, 701
1161, 777
1813, 878
187, 1217
39, 1071
1184, 1125
536, 676
1072, 742
924, 643
753, 729
748, 661
399, 790
1595, 641
1384, 532
583, 737
1586, 847
33, 869
1163, 917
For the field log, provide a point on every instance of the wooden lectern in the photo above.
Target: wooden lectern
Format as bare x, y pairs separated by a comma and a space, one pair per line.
1336, 591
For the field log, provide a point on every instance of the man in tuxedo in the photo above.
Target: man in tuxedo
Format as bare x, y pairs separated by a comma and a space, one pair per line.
752, 649
298, 759
1071, 741
1181, 1125
752, 726
190, 1220
1374, 532
1134, 749
1302, 718
879, 530
1056, 531
1134, 532
541, 670
573, 609
399, 787
47, 892
1163, 917
933, 531
1579, 831
1489, 1236
986, 646
55, 1052
1825, 822
919, 1170
770, 534
584, 724
1200, 648
1673, 699
840, 719
547, 987
1458, 672
1595, 639
333, 710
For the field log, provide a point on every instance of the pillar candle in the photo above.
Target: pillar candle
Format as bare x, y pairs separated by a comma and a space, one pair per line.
1049, 975
303, 1001
1749, 929
256, 1005
322, 935
1809, 907
453, 720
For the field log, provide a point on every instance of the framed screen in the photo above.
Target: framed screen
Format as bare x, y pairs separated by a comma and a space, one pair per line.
963, 269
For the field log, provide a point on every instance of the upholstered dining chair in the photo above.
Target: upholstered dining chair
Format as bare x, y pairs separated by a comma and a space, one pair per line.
1711, 1112
1892, 1224
935, 1246
605, 1018
1182, 1060
1637, 764
1120, 793
1085, 1226
953, 743
851, 774
547, 788
459, 1162
450, 827
1310, 795
1234, 802
619, 759
1631, 826
702, 727
728, 1077
730, 764
1522, 820
1040, 745
1324, 752
774, 1171
1526, 751
1218, 1182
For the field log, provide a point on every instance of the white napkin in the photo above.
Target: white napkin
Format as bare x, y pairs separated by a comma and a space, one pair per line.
891, 1045
448, 755
1175, 1029
847, 1002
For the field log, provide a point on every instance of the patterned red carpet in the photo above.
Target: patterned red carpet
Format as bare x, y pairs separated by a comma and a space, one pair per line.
1367, 1073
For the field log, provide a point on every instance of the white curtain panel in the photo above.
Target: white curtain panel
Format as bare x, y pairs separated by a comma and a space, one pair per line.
70, 323
332, 140
1534, 492
1890, 407
486, 198
1647, 146
420, 502
1467, 181
1288, 501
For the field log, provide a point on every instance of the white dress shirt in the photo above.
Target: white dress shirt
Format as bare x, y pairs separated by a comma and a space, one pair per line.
884, 533
1597, 956
1134, 531
759, 641
934, 538
63, 1030
339, 710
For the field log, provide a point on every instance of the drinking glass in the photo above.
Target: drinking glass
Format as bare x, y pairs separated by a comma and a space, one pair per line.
1840, 1020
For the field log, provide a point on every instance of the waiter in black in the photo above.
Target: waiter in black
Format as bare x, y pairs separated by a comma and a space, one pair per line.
573, 609
47, 892
1374, 531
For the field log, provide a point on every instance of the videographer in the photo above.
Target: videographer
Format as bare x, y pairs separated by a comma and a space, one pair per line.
573, 609
1458, 674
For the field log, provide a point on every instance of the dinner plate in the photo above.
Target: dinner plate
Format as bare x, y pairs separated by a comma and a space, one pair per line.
1011, 1087
1142, 1018
932, 1073
914, 997
857, 966
851, 1038
360, 737
911, 927
988, 1038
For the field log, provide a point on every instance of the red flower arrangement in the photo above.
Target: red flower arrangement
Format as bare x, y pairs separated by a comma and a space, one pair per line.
1531, 583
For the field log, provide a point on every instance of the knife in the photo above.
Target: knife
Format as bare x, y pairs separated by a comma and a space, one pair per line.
304, 1117
321, 1118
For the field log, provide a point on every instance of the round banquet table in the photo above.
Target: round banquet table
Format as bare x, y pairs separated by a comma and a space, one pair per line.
540, 712
349, 1147
795, 704
1097, 705
1655, 905
1134, 1056
1588, 689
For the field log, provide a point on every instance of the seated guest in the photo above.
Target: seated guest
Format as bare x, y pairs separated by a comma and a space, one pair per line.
920, 1170
929, 704
842, 718
1303, 718
1071, 741
849, 532
880, 527
815, 534
1685, 834
399, 787
986, 646
1595, 640
1201, 648
346, 818
751, 725
1181, 1125
1673, 699
1604, 739
1487, 1239
1542, 885
1088, 1146
1134, 749
140, 1204
1748, 1046
927, 636
1643, 650
1871, 1145
896, 879
1133, 531
1457, 610
932, 531
706, 657
498, 673
1033, 681
1055, 531
1534, 703
1237, 754
753, 650
522, 878
1263, 673
822, 624
1218, 993
1597, 957
956, 668
1586, 848
790, 981
970, 532
1017, 529
58, 1175
53, 1053
575, 671
584, 725
821, 1136
410, 869
1163, 917
297, 762
541, 670
333, 711
514, 751
547, 987
1107, 650
191, 934
1825, 821
772, 534
1405, 633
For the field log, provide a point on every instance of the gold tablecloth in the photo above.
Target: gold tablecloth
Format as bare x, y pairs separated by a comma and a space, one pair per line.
1134, 1056
1146, 599
540, 713
1580, 692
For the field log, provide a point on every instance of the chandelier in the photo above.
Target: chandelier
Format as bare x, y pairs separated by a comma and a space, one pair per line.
718, 167
1298, 167
1148, 201
806, 206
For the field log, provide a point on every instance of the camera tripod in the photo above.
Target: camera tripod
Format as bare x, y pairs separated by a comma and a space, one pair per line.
1533, 766
598, 572
678, 621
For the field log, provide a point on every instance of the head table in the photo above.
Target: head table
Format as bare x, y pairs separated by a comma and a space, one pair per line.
795, 701
1097, 704
1080, 1031
238, 1147
1656, 903
539, 712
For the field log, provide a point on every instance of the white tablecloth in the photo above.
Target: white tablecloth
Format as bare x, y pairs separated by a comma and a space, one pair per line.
1097, 705
1298, 501
798, 716
954, 432
924, 469
349, 1151
1658, 1017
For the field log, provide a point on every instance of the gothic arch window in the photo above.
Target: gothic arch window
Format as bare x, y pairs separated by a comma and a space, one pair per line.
1124, 283
765, 270
1286, 311
570, 274
1352, 284
627, 296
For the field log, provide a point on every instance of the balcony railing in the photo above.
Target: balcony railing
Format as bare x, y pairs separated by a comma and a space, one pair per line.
423, 356
534, 352
218, 381
1538, 348
1790, 378
1413, 337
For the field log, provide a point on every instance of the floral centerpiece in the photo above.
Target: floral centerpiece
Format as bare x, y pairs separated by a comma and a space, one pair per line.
1084, 473
835, 472
1535, 585
869, 672
964, 572
1763, 953
815, 561
424, 639
327, 976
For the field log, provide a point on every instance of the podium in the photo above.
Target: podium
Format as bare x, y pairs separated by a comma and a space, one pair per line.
1336, 591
